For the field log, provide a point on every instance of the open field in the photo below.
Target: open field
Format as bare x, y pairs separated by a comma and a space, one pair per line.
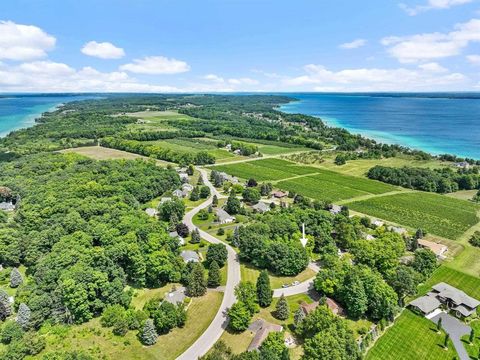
328, 185
192, 145
101, 343
463, 194
411, 337
467, 283
103, 153
440, 215
250, 273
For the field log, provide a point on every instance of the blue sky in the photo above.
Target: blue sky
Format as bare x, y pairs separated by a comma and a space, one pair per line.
228, 45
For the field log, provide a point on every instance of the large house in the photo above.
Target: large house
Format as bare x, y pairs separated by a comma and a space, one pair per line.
445, 295
331, 304
438, 249
223, 217
189, 256
261, 207
262, 328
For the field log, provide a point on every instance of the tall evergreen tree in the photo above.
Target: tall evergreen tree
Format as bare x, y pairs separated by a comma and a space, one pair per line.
148, 335
445, 343
200, 180
5, 308
173, 223
472, 336
195, 194
15, 278
439, 324
215, 201
233, 204
195, 236
282, 310
298, 317
264, 291
197, 285
213, 274
23, 316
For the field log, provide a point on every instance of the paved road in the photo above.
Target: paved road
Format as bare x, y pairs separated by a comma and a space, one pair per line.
220, 322
456, 329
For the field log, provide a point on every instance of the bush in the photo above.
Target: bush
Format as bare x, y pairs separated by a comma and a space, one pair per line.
475, 239
11, 331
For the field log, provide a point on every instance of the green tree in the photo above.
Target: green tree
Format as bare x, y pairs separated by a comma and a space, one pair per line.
195, 194
246, 293
190, 170
353, 295
215, 201
5, 308
425, 262
282, 309
239, 316
168, 208
232, 205
11, 331
195, 236
204, 192
148, 335
445, 342
251, 195
471, 337
218, 253
439, 324
273, 347
197, 285
298, 317
213, 274
264, 291
23, 316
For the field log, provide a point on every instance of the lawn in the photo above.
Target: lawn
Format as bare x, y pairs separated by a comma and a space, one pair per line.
441, 215
328, 185
467, 283
473, 349
411, 337
250, 273
101, 343
103, 153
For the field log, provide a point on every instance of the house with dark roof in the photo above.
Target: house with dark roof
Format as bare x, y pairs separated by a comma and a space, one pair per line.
176, 296
262, 328
445, 295
261, 207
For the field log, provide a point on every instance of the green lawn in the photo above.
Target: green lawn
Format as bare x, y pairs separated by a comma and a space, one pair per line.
411, 337
438, 214
102, 344
250, 273
473, 349
467, 283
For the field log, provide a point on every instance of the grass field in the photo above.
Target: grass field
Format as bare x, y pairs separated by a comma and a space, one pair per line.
103, 153
411, 337
102, 344
440, 215
250, 273
193, 145
467, 283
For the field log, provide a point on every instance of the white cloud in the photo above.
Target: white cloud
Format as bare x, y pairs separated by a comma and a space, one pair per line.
156, 65
23, 42
243, 81
433, 67
425, 47
432, 5
214, 78
353, 44
320, 78
104, 50
474, 59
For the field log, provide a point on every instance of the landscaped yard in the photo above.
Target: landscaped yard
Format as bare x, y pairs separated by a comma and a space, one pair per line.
411, 337
101, 343
250, 273
438, 214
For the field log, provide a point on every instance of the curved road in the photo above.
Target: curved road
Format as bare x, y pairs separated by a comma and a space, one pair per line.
201, 346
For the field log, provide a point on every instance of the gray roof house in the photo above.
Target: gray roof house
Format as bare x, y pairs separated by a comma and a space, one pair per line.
223, 217
174, 234
444, 294
7, 206
335, 209
176, 296
261, 207
189, 256
164, 199
187, 187
178, 193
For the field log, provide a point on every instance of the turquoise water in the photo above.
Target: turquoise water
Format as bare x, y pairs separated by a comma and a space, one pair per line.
436, 123
18, 112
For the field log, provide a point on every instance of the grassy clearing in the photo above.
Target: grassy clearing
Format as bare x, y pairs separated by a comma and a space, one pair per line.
328, 185
467, 283
192, 146
473, 349
463, 194
250, 273
440, 215
103, 153
411, 337
101, 343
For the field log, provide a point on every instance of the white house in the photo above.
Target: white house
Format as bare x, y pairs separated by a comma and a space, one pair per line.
223, 217
261, 207
189, 256
187, 187
178, 193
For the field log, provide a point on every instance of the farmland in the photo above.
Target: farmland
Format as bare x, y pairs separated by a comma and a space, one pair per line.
192, 145
440, 215
411, 337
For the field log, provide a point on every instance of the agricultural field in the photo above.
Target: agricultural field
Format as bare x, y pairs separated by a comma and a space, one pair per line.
440, 215
156, 120
411, 337
100, 343
328, 185
192, 145
270, 147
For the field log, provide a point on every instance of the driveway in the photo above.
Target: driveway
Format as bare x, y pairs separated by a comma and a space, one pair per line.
201, 346
456, 329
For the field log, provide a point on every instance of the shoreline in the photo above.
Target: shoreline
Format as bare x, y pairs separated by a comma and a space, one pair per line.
379, 136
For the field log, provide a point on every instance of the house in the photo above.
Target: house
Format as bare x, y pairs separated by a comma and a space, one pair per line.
279, 194
189, 256
261, 207
181, 170
462, 164
223, 217
164, 199
437, 248
176, 296
183, 177
151, 212
229, 147
369, 237
178, 193
378, 223
237, 152
335, 209
7, 206
443, 294
262, 328
187, 187
398, 230
174, 234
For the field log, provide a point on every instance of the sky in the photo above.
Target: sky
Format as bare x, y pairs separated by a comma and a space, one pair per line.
239, 45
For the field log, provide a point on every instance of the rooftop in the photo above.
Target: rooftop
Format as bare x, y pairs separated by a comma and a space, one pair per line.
189, 256
457, 296
437, 249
